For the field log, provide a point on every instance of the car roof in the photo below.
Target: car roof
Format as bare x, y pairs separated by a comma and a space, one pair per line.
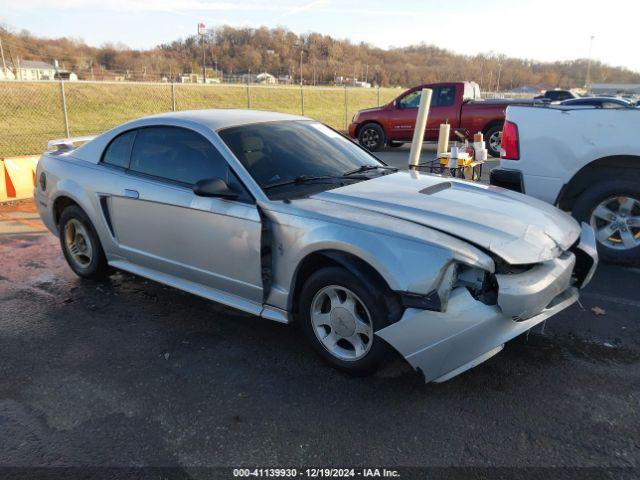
216, 119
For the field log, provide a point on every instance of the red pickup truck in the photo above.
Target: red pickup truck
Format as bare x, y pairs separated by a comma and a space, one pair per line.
458, 103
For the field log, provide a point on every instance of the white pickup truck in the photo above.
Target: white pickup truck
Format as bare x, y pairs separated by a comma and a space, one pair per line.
585, 161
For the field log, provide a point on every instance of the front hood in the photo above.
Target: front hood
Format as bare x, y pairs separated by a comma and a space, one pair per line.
369, 110
517, 228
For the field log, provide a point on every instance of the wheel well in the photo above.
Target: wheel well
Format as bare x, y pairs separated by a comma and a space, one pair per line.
59, 205
326, 258
606, 168
491, 124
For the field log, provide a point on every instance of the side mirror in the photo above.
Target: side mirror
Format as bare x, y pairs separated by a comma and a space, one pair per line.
215, 187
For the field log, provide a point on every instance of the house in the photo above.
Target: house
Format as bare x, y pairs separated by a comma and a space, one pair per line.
35, 70
6, 72
266, 79
29, 70
189, 78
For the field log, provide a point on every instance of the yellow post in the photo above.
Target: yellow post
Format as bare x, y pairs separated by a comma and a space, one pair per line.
443, 139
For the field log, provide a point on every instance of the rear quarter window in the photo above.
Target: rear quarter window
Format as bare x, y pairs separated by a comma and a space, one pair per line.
118, 152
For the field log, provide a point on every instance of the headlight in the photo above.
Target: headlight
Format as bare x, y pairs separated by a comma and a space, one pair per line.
454, 275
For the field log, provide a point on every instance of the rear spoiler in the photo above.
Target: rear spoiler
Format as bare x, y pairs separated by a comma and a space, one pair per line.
66, 144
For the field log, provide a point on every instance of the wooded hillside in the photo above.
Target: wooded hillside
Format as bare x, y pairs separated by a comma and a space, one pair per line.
237, 51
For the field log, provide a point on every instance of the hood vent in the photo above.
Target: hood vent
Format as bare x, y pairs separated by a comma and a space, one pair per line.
438, 187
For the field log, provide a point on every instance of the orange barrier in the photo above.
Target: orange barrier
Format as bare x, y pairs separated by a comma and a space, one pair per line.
17, 177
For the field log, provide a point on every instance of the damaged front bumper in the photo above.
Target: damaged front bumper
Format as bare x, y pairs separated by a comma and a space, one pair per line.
444, 344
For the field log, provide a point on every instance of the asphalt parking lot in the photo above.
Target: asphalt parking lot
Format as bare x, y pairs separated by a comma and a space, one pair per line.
132, 373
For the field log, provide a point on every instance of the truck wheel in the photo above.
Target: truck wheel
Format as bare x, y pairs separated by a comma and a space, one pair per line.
613, 210
371, 137
493, 139
339, 315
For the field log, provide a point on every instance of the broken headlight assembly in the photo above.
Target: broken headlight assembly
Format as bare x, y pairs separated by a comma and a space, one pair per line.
481, 284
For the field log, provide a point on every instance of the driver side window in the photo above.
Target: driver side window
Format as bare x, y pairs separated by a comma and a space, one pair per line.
176, 154
411, 100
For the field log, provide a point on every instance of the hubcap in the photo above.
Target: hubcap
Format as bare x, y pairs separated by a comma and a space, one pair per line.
370, 138
617, 223
495, 141
78, 244
342, 323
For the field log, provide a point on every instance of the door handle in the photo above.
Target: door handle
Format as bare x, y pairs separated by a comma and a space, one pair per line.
131, 193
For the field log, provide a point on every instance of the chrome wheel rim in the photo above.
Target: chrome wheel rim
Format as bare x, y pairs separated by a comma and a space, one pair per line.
78, 243
370, 138
342, 323
495, 141
616, 222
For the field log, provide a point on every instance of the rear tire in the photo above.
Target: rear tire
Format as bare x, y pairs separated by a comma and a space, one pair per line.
80, 244
334, 308
371, 136
613, 207
493, 138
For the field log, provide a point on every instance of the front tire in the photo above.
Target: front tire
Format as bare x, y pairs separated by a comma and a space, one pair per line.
371, 137
80, 244
339, 315
612, 208
493, 140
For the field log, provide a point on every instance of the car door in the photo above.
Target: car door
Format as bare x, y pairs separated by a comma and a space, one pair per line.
161, 225
403, 116
443, 110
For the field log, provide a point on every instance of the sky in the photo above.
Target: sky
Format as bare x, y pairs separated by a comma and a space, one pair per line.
544, 30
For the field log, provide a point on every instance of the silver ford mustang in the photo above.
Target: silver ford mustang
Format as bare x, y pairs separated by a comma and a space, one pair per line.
283, 217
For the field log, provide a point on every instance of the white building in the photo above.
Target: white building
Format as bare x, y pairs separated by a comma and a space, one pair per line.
29, 70
6, 73
35, 70
266, 78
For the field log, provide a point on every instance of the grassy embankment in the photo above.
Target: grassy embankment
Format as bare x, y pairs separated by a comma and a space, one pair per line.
31, 113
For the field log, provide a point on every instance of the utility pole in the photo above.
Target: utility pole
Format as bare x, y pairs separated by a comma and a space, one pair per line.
499, 72
202, 32
4, 65
301, 53
588, 77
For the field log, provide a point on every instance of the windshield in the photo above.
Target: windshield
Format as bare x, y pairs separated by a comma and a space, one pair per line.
277, 152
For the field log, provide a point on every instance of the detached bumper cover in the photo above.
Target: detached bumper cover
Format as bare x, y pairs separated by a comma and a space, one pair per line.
444, 344
439, 343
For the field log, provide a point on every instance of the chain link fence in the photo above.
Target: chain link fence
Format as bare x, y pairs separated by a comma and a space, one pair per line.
31, 113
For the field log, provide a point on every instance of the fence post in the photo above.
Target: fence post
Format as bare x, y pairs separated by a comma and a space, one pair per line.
248, 96
64, 108
378, 95
173, 95
345, 108
302, 98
